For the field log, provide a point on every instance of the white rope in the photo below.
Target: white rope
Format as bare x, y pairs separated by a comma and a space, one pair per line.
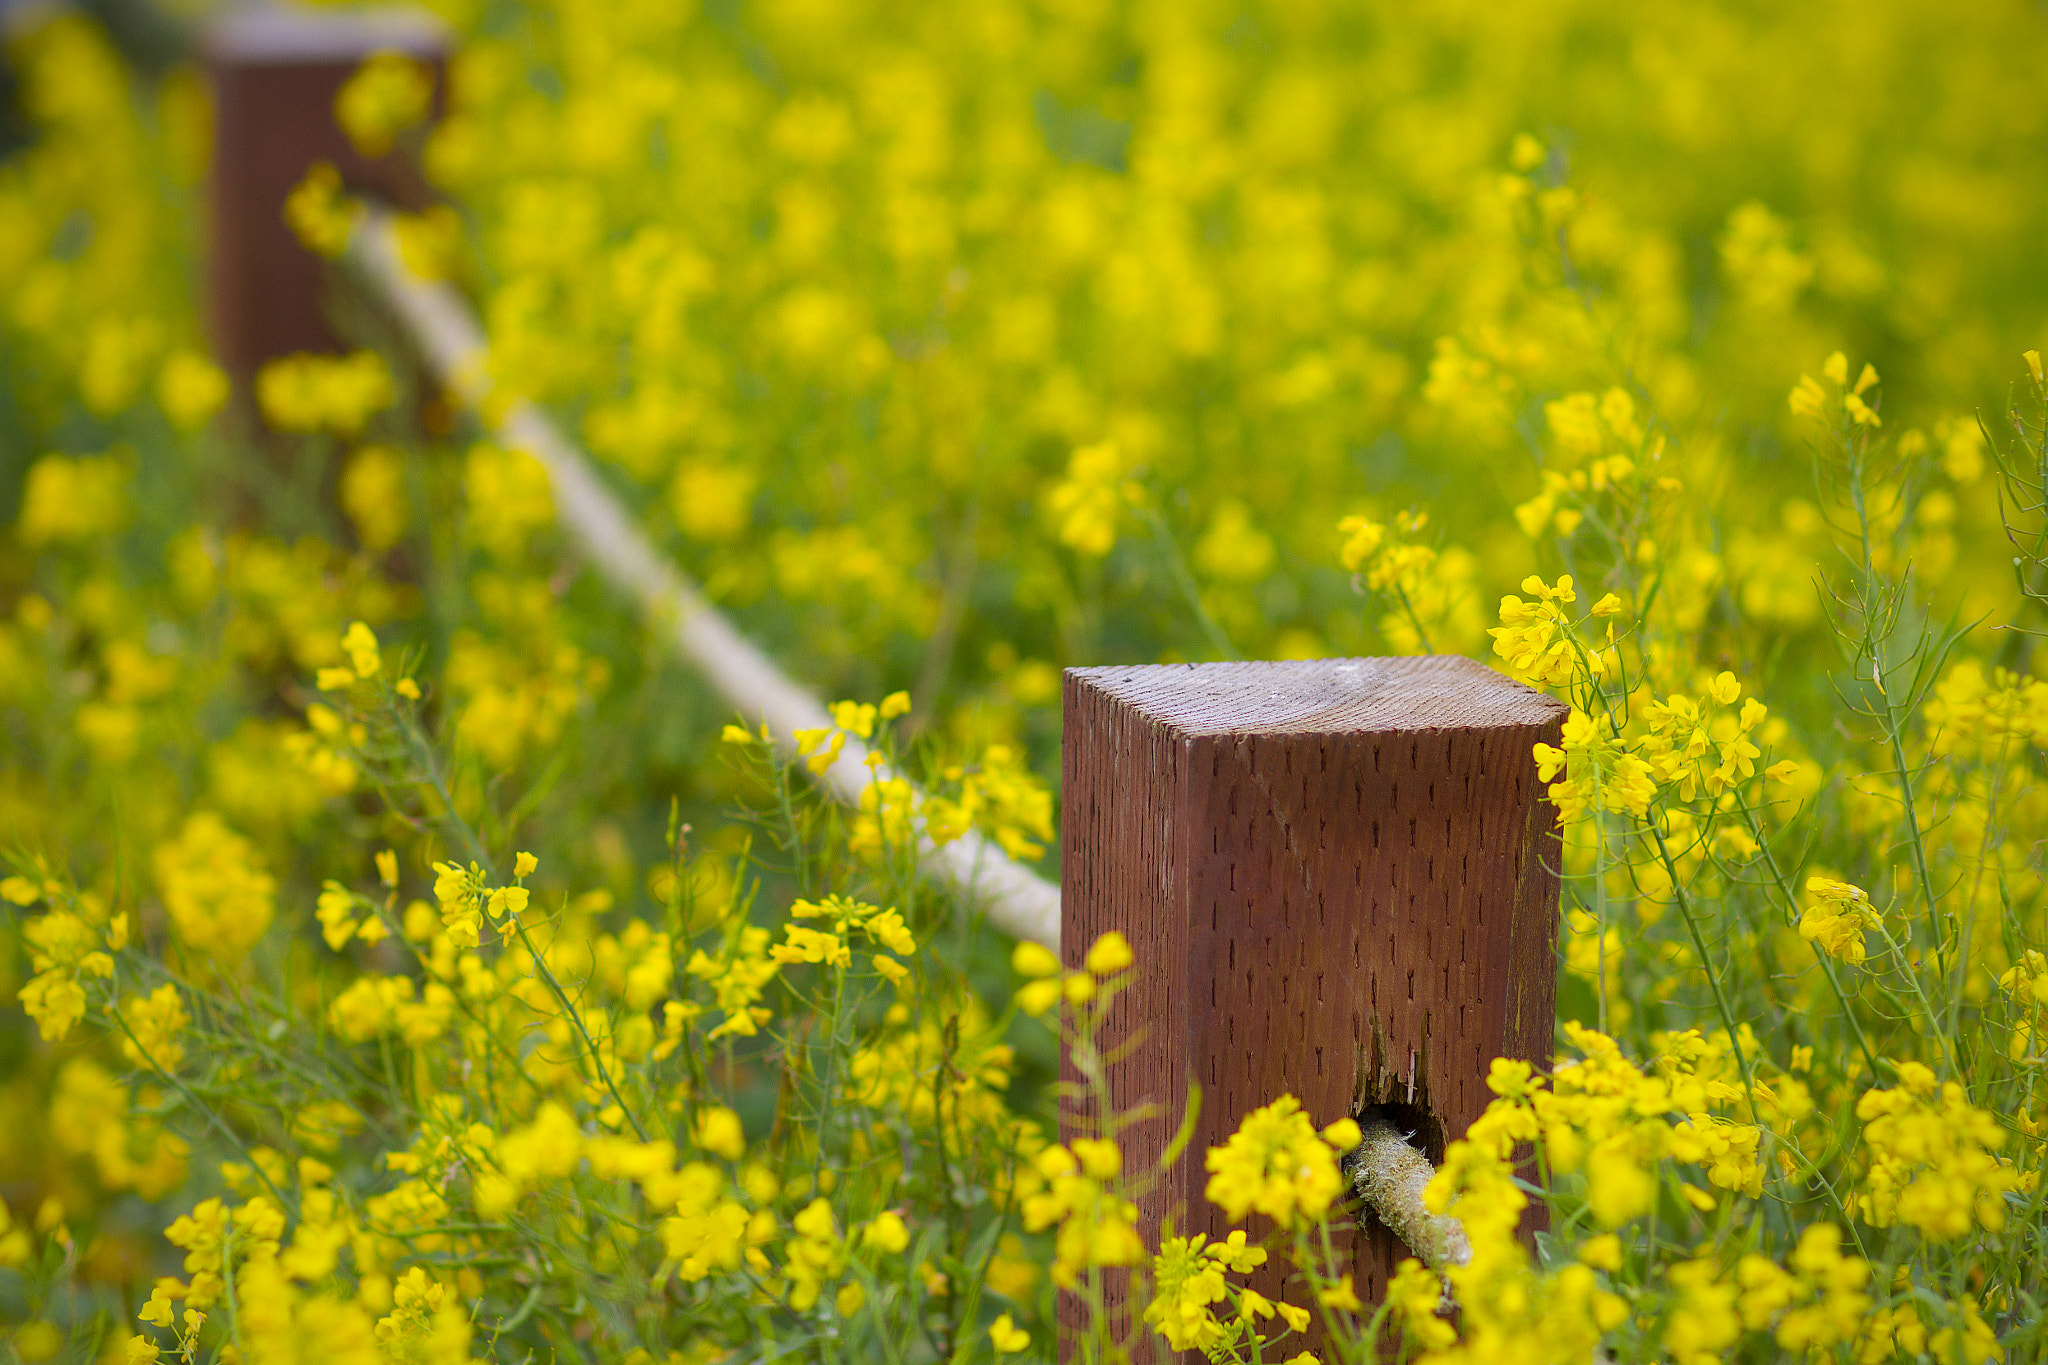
1389, 1175
440, 323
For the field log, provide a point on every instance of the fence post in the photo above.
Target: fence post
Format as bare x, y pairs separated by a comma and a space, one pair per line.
274, 73
1340, 880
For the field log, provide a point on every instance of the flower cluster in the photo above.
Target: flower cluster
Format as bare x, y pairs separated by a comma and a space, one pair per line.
304, 393
1277, 1164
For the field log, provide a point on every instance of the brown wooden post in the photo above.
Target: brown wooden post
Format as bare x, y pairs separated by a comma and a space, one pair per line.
1340, 880
275, 73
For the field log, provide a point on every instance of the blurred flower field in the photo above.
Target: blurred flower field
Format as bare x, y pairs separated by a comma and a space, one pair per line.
415, 964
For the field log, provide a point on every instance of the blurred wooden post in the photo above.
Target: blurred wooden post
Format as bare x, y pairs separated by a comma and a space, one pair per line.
275, 73
1339, 877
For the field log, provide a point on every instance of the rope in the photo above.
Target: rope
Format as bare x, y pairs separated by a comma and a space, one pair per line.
440, 323
1388, 1175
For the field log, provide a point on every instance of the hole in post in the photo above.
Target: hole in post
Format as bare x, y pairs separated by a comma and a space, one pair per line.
1423, 1130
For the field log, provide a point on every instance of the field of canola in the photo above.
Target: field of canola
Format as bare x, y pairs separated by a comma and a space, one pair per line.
414, 965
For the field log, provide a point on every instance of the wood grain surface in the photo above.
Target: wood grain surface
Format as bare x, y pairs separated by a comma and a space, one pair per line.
1339, 877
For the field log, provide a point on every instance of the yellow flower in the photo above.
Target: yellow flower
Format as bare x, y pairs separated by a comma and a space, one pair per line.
816, 1254
1088, 504
373, 493
214, 887
886, 1233
361, 647
1038, 997
1362, 538
1836, 917
1808, 398
737, 980
320, 213
336, 912
1704, 1323
369, 1006
460, 892
1233, 549
67, 500
1276, 1164
1109, 954
118, 352
889, 930
1342, 1297
1603, 1252
387, 95
1034, 960
1599, 773
1416, 1294
429, 243
708, 1231
1007, 1337
62, 947
1618, 1187
1233, 1253
1534, 637
37, 1341
810, 945
854, 717
713, 501
718, 1131
190, 389
510, 497
1933, 1158
152, 1025
306, 393
1185, 1283
820, 747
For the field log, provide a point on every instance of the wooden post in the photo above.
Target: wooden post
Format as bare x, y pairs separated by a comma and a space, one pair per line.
1340, 880
275, 73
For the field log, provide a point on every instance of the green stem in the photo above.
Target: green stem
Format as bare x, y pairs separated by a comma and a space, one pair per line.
1898, 951
1827, 965
1707, 965
547, 976
1218, 641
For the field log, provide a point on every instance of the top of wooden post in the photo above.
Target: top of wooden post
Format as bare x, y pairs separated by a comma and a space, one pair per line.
1325, 696
295, 36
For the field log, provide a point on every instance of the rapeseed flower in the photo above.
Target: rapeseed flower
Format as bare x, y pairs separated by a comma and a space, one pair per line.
215, 887
1277, 1164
